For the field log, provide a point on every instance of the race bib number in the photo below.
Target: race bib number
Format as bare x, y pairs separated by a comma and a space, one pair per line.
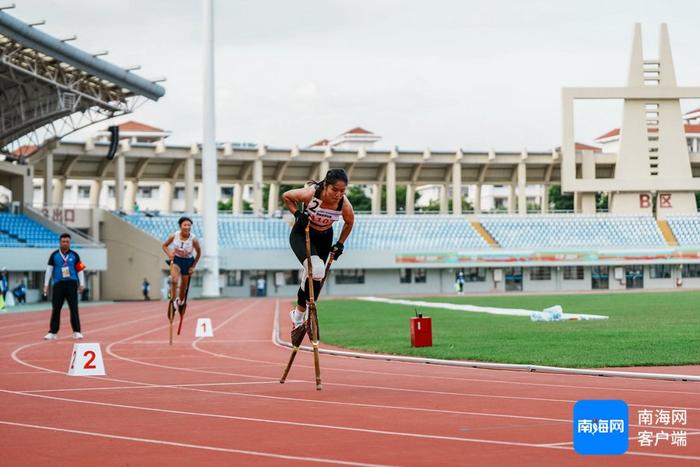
313, 206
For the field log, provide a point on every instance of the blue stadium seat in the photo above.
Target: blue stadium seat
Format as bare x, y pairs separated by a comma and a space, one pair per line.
444, 233
370, 232
686, 229
18, 230
573, 231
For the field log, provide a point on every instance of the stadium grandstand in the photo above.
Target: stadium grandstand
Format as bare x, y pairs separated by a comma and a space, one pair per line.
493, 217
50, 89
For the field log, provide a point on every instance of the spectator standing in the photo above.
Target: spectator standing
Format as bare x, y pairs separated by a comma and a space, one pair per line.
146, 288
4, 284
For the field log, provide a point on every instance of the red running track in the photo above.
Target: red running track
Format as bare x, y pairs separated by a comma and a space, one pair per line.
217, 401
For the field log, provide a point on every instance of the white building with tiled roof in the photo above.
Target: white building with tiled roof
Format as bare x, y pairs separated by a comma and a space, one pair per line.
610, 141
692, 117
353, 139
81, 193
136, 132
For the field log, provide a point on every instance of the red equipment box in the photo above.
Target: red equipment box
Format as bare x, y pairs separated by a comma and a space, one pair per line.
421, 332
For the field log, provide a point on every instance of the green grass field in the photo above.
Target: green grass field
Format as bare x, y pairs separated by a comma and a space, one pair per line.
644, 329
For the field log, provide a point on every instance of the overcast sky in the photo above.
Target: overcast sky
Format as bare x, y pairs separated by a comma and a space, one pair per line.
439, 74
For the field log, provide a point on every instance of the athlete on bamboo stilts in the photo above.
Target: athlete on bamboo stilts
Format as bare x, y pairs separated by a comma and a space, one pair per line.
180, 247
323, 203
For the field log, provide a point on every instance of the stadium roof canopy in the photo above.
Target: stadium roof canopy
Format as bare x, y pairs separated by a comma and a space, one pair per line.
49, 88
157, 162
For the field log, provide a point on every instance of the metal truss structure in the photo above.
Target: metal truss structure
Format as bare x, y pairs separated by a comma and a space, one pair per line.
49, 89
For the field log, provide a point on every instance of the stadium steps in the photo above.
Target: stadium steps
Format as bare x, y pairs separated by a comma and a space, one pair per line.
484, 234
667, 233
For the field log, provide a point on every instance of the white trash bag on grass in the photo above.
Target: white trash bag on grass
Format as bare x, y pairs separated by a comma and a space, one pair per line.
553, 313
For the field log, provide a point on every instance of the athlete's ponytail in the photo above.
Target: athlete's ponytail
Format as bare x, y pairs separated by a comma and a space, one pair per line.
332, 176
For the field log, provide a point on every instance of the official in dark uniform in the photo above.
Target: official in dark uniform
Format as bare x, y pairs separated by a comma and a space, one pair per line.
65, 273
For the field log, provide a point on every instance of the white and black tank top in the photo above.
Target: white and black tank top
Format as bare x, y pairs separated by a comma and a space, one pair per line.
320, 218
183, 247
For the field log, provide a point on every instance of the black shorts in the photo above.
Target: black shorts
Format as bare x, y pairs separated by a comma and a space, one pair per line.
184, 264
321, 243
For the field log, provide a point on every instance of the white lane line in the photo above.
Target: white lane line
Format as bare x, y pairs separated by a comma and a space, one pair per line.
370, 387
351, 429
191, 370
24, 372
538, 399
154, 386
188, 445
66, 339
311, 401
632, 438
275, 380
415, 375
565, 443
328, 427
39, 331
217, 341
105, 378
195, 386
99, 310
219, 326
338, 384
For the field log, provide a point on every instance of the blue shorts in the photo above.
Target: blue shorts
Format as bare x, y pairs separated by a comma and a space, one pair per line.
184, 264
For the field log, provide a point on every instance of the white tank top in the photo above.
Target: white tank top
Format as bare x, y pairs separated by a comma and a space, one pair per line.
320, 217
183, 248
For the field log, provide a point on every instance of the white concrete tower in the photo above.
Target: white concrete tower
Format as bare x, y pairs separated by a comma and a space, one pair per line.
653, 155
652, 139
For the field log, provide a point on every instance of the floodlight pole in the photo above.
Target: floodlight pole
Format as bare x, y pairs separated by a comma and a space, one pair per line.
210, 247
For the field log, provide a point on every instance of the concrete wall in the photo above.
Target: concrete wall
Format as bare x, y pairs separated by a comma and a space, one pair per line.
35, 259
691, 283
132, 255
616, 284
76, 218
376, 282
575, 284
530, 285
441, 281
659, 283
20, 262
448, 282
386, 281
499, 286
129, 272
18, 180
